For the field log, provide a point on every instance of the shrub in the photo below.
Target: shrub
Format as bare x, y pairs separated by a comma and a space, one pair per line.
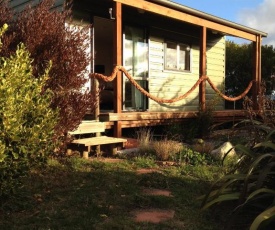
26, 120
145, 138
46, 37
250, 184
166, 149
200, 126
192, 157
203, 147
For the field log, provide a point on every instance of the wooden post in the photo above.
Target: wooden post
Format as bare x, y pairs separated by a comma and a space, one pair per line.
256, 71
95, 85
202, 88
118, 61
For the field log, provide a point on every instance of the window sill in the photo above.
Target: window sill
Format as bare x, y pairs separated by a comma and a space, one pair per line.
177, 71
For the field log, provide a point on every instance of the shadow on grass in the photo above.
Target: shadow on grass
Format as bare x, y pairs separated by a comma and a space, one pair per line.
96, 195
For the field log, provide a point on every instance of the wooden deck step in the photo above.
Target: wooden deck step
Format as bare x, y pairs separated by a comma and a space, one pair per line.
102, 140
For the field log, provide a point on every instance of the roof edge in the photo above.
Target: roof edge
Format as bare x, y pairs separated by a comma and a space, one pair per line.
207, 16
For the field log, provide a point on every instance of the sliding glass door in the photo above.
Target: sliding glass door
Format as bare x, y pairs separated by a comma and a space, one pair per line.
136, 63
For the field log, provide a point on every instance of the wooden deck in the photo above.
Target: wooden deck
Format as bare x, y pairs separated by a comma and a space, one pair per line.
139, 119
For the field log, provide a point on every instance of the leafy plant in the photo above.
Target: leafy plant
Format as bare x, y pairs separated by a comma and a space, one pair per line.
203, 147
42, 29
192, 157
26, 120
250, 184
144, 162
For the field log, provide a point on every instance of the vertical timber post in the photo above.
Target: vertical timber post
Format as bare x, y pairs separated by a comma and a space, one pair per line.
202, 88
256, 71
118, 61
95, 85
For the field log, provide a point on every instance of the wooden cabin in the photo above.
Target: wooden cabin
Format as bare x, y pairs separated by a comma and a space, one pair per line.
168, 49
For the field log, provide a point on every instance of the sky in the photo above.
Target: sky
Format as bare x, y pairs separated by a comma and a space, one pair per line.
257, 14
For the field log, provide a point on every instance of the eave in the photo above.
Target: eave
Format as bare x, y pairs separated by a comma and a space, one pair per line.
195, 17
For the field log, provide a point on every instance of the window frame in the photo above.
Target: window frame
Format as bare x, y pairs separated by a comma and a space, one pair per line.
177, 63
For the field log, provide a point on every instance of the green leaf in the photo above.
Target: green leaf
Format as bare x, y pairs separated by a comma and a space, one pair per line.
222, 198
268, 137
266, 144
244, 149
265, 173
260, 191
257, 161
264, 216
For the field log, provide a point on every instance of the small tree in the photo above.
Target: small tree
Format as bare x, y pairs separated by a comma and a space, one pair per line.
46, 37
26, 120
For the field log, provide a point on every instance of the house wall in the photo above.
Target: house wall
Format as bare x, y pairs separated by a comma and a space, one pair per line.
19, 5
215, 70
171, 84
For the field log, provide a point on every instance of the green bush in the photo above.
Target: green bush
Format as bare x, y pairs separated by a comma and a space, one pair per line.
192, 157
26, 120
250, 186
41, 28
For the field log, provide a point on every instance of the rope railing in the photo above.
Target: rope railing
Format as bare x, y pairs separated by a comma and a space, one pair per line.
161, 100
242, 95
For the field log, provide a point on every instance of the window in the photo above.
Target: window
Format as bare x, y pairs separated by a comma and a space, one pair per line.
177, 56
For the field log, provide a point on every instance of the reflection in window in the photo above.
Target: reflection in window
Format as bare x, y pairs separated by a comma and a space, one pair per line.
177, 56
136, 63
136, 52
134, 99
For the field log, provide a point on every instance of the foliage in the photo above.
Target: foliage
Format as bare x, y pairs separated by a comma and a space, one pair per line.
250, 184
170, 150
5, 13
189, 156
26, 121
145, 138
268, 67
262, 121
200, 127
203, 147
166, 149
239, 67
144, 161
46, 37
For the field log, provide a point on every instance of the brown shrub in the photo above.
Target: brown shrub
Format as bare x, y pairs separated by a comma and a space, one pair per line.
165, 148
43, 32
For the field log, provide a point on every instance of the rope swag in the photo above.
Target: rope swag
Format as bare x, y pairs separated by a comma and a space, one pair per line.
161, 100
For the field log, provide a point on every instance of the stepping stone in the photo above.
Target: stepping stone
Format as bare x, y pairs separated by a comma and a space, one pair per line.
153, 215
156, 192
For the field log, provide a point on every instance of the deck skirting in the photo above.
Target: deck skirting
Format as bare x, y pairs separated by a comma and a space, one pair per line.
140, 119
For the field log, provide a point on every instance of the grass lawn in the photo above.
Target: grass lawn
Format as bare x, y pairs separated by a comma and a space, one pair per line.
84, 194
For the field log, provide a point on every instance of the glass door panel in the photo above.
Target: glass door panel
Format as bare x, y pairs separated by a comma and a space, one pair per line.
136, 63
